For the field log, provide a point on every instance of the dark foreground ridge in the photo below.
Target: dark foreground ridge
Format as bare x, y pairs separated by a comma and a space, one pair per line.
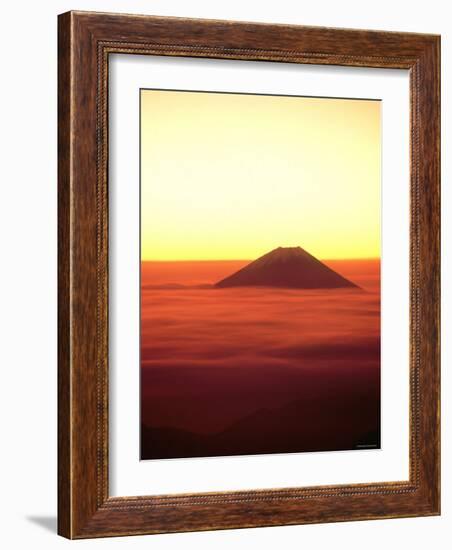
268, 431
290, 267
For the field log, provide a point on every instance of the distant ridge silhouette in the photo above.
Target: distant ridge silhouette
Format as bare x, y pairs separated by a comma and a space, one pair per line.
286, 429
287, 267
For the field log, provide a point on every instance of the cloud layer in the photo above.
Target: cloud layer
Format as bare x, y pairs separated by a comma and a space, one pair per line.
212, 357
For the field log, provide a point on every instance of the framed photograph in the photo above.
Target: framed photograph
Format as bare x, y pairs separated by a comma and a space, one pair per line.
248, 275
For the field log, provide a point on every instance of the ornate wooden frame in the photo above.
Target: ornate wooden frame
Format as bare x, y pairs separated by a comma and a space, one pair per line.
85, 42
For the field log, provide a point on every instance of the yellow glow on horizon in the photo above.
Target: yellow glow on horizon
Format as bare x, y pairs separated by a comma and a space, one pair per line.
233, 176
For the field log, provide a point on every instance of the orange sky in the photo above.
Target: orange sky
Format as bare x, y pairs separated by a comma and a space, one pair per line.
232, 176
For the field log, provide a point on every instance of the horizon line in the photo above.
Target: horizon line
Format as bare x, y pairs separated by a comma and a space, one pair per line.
252, 260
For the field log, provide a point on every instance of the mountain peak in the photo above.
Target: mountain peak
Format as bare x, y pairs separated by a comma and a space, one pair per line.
287, 267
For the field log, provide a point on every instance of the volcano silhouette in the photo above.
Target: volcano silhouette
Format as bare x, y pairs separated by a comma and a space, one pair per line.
287, 267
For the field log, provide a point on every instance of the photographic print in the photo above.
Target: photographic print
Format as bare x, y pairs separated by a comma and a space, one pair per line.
260, 274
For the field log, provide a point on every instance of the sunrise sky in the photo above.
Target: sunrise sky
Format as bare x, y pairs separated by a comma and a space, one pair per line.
233, 176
